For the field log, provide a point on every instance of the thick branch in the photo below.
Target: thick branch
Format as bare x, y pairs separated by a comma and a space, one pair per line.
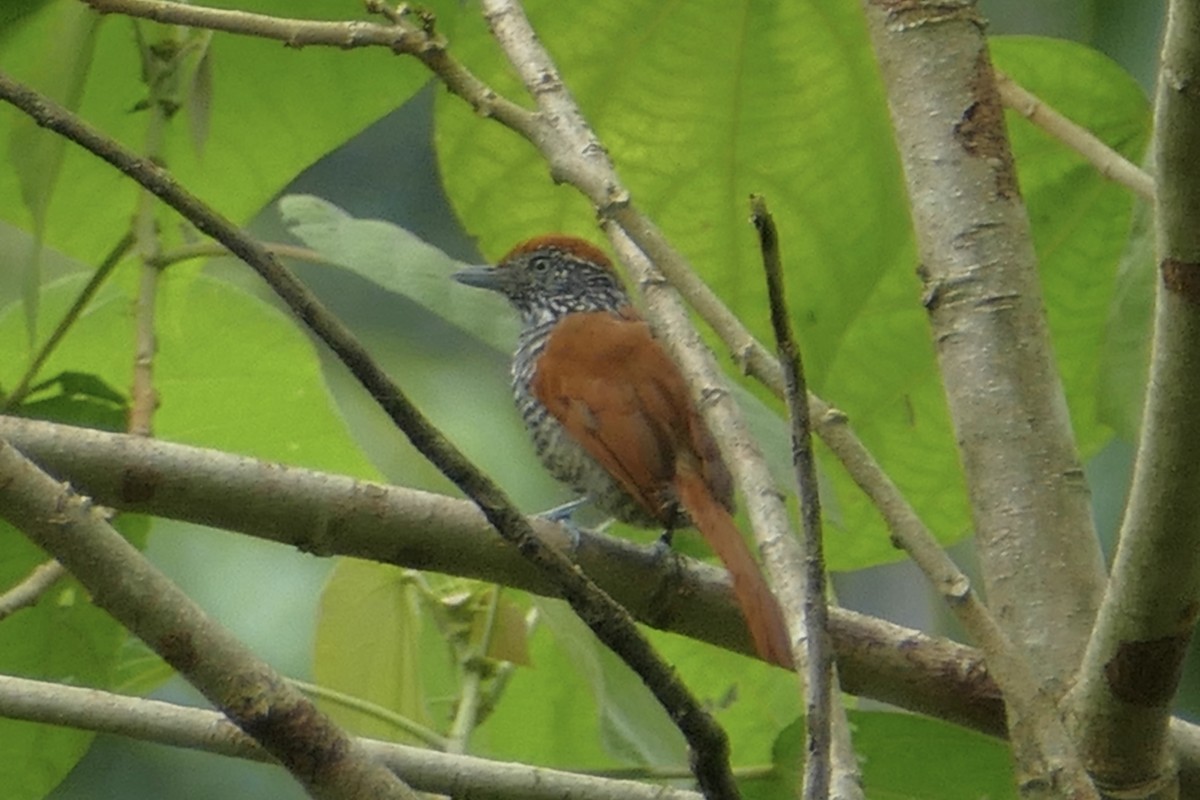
1030, 506
1038, 549
1134, 661
198, 729
335, 515
127, 586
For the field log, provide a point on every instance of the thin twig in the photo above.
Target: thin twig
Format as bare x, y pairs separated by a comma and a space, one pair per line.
473, 667
398, 37
401, 36
31, 588
818, 663
157, 65
611, 623
401, 723
211, 249
1107, 161
94, 283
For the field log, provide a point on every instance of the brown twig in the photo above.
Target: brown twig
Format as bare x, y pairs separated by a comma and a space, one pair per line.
39, 581
818, 662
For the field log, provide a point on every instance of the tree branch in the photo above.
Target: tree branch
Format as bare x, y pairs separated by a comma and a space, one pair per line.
31, 588
1134, 660
123, 583
335, 515
398, 37
1030, 505
1108, 162
198, 729
829, 753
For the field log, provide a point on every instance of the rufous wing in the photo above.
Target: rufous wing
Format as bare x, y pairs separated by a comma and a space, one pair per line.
614, 389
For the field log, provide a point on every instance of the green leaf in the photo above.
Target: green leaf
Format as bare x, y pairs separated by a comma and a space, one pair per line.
369, 645
62, 638
903, 757
548, 714
581, 706
37, 158
633, 726
274, 110
231, 371
396, 260
1125, 361
77, 398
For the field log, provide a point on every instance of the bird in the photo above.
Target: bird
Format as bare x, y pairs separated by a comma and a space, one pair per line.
611, 416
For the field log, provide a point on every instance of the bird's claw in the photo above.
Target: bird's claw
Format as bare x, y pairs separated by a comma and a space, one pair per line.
564, 515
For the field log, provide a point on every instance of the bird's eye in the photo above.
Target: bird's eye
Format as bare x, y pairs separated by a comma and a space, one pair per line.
539, 264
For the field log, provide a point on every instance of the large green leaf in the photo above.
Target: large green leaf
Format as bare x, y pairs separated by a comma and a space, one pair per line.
272, 111
396, 260
369, 637
581, 706
903, 757
63, 638
231, 371
709, 102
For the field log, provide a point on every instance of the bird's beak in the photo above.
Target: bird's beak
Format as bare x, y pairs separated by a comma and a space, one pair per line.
482, 277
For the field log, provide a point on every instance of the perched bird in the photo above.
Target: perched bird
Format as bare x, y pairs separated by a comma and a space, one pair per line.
610, 414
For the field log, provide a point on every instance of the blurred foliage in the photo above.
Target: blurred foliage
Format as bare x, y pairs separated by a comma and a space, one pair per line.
700, 104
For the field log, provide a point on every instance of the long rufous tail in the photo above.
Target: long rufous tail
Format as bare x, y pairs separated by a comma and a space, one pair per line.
761, 611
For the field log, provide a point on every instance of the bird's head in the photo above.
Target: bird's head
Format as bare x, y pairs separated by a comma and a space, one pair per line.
550, 276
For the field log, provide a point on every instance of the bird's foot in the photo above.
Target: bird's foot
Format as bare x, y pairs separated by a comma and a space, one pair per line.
670, 569
564, 515
565, 512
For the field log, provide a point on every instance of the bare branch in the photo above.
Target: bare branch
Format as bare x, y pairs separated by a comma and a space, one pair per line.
1134, 661
336, 515
198, 729
829, 760
31, 588
399, 38
1108, 162
127, 586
